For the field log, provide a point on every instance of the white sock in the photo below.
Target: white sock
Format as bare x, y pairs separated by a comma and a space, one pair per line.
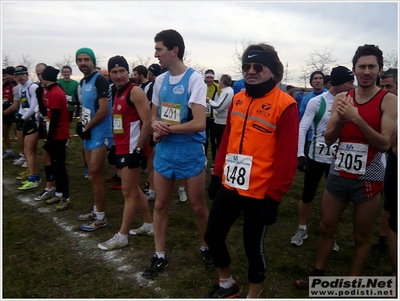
94, 209
160, 254
59, 194
122, 237
151, 192
100, 215
181, 188
203, 248
226, 283
303, 227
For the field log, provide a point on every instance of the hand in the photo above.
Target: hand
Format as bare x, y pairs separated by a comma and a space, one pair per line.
215, 184
160, 127
157, 137
80, 130
301, 164
346, 109
268, 211
19, 121
134, 159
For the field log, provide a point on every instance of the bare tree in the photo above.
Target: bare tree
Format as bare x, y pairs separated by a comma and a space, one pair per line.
26, 61
321, 60
303, 77
7, 61
68, 60
236, 65
390, 60
195, 65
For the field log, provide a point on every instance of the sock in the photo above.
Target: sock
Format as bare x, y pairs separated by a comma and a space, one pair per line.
226, 283
58, 194
303, 227
151, 192
148, 226
100, 215
122, 237
21, 155
203, 248
48, 170
94, 209
181, 188
31, 178
318, 272
160, 255
37, 177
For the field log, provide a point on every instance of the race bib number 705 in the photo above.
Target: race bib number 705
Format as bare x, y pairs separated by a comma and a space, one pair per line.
352, 157
237, 170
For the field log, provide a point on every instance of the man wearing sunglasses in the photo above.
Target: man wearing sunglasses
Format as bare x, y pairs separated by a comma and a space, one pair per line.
254, 168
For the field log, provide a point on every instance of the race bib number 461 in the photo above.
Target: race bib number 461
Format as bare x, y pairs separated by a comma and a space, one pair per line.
237, 170
352, 157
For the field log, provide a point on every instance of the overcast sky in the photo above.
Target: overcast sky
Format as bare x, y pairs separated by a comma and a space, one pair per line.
212, 30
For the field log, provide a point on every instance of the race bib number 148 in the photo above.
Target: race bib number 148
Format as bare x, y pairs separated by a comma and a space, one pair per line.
237, 170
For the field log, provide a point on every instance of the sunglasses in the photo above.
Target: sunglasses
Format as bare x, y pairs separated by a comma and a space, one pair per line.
257, 67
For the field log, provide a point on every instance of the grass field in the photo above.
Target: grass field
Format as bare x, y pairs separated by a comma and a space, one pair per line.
46, 255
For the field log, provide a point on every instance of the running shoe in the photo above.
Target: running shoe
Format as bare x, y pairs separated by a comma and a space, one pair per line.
150, 195
182, 195
297, 239
145, 186
207, 259
219, 292
21, 160
29, 185
8, 155
113, 243
114, 178
53, 200
23, 175
157, 264
141, 231
45, 195
116, 186
24, 165
94, 224
87, 216
303, 283
335, 246
64, 204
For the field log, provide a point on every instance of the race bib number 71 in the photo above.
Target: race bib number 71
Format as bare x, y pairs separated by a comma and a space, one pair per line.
237, 170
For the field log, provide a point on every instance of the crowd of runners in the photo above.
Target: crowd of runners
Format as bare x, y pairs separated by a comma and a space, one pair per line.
168, 117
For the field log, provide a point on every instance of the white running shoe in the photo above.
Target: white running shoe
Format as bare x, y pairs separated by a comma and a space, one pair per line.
141, 231
297, 239
182, 195
21, 160
113, 243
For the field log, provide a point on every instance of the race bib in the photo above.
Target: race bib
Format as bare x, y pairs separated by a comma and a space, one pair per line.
324, 151
237, 170
118, 124
352, 158
171, 112
208, 110
85, 116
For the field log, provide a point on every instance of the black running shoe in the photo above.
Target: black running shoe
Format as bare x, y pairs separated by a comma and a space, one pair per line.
224, 293
207, 259
157, 264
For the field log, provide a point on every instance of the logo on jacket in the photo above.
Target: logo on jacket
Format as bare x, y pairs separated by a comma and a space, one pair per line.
266, 106
180, 89
239, 102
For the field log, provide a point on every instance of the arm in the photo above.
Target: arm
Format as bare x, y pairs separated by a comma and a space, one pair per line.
223, 102
33, 102
55, 118
14, 107
335, 123
139, 99
285, 161
305, 124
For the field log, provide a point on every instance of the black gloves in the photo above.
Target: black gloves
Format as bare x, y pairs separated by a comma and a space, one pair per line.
80, 130
301, 164
268, 211
19, 121
215, 184
134, 158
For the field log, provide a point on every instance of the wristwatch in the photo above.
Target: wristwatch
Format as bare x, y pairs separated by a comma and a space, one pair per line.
138, 149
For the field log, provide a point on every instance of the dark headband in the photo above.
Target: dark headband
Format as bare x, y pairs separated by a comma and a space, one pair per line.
258, 56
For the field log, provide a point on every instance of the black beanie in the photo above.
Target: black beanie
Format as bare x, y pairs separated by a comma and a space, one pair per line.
117, 61
50, 73
312, 76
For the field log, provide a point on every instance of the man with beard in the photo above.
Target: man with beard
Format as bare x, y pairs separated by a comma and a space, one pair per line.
95, 128
363, 120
